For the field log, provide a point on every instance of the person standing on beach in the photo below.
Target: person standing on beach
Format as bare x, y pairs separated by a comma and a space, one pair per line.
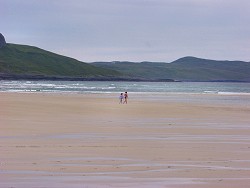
121, 98
125, 98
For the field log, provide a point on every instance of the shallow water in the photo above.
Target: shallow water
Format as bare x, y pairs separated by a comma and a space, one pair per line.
223, 88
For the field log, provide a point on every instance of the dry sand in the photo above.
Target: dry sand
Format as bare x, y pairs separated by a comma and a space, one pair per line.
91, 141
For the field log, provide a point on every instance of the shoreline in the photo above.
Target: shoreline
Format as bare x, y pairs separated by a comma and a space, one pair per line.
89, 140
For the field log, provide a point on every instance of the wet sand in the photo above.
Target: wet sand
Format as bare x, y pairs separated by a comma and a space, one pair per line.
91, 141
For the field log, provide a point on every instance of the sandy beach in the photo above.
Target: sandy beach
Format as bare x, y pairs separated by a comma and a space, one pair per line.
92, 141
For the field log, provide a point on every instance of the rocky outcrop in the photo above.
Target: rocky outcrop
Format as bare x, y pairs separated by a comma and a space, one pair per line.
2, 41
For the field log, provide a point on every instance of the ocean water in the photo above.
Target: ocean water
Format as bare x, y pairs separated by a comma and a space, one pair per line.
116, 87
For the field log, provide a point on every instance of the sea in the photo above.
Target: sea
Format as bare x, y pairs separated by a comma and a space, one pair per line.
220, 88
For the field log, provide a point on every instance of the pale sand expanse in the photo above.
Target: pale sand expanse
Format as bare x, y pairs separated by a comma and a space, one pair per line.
90, 141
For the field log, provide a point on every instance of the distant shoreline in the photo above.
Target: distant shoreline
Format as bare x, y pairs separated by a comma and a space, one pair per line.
60, 78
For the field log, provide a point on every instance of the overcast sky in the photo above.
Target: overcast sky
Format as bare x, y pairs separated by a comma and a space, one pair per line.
132, 30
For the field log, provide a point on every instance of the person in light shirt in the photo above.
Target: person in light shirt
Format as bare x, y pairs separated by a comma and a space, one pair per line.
121, 97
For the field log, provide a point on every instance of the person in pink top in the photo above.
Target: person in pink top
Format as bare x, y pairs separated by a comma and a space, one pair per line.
125, 98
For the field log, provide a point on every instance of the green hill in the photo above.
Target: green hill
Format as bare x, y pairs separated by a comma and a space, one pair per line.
184, 69
27, 61
211, 70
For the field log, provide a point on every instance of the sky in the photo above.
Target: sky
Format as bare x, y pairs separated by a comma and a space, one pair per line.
131, 30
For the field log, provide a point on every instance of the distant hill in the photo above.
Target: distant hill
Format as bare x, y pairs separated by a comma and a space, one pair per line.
184, 69
28, 62
22, 61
